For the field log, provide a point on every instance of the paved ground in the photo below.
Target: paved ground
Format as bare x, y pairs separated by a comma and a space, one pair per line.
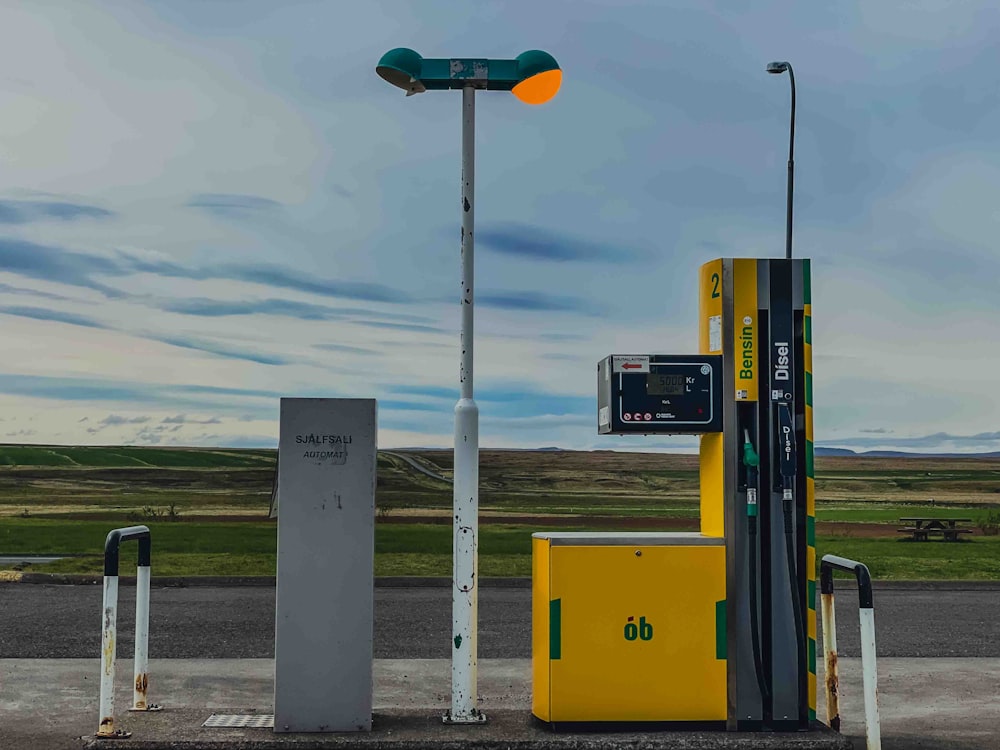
41, 621
927, 704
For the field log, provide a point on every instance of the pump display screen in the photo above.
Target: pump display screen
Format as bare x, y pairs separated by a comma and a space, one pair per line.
665, 385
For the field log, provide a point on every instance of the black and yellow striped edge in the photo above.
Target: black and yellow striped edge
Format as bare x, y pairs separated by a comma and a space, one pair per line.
810, 484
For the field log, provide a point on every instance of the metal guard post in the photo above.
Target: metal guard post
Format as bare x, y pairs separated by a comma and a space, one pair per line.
828, 564
106, 728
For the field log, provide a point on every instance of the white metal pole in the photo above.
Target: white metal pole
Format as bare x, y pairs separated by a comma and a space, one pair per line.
465, 593
873, 730
109, 616
831, 674
140, 681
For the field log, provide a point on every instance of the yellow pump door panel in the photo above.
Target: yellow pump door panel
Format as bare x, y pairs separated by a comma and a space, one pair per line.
636, 630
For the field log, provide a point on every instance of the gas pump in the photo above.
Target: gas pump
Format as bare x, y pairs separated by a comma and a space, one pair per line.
724, 619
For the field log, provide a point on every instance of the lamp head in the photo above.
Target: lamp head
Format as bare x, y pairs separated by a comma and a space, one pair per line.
777, 67
540, 77
401, 67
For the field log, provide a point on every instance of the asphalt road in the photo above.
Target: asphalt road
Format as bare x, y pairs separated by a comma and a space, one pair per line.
43, 621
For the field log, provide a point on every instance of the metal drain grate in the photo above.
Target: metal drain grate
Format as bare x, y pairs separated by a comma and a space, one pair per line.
235, 721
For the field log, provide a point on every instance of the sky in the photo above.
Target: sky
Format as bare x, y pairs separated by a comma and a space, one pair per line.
208, 206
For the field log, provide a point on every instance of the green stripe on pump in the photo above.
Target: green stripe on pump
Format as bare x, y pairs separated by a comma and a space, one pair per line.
720, 630
555, 629
812, 656
811, 592
807, 281
809, 459
809, 388
812, 714
811, 531
809, 329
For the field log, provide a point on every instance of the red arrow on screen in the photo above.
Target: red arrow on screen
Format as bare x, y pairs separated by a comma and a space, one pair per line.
628, 366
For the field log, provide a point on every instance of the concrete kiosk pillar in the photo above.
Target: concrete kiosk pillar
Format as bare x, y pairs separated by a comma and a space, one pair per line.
324, 616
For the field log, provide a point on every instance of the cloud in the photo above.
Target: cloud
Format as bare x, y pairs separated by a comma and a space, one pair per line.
79, 269
58, 264
877, 431
26, 212
407, 405
509, 402
343, 348
40, 313
182, 419
114, 419
526, 241
195, 397
8, 289
221, 350
938, 440
204, 307
401, 326
221, 308
232, 204
537, 302
276, 276
430, 391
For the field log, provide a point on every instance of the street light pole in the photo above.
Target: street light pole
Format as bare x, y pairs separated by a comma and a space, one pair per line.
465, 560
781, 67
534, 77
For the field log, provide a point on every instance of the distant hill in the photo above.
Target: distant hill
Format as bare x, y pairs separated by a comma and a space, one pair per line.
822, 451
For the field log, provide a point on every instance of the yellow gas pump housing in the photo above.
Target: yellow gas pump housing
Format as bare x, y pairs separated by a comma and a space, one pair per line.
717, 626
628, 627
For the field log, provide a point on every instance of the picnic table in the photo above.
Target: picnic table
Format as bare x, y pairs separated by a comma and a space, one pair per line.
922, 528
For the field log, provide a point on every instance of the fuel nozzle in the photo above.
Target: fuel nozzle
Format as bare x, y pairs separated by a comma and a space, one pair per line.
751, 461
786, 444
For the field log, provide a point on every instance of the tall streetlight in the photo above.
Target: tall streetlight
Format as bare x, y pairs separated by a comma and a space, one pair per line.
533, 77
777, 68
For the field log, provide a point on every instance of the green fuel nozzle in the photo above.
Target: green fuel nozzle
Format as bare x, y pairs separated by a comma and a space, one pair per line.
751, 460
750, 457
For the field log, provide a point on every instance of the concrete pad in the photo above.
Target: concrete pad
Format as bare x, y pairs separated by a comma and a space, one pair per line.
52, 704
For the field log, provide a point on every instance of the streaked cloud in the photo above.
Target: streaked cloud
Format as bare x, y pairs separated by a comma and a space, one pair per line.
166, 395
507, 402
535, 243
344, 349
76, 268
27, 212
59, 316
938, 441
215, 308
20, 290
116, 419
232, 205
180, 419
537, 302
221, 350
411, 327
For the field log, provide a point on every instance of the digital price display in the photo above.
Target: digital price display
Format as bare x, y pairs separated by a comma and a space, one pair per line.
665, 385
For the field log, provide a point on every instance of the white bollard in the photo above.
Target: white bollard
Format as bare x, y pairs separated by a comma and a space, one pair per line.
873, 730
866, 610
140, 681
109, 629
109, 617
831, 672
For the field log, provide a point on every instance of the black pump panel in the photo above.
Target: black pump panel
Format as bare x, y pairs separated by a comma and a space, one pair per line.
659, 394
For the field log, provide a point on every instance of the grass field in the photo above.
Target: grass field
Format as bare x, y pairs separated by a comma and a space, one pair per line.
207, 507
